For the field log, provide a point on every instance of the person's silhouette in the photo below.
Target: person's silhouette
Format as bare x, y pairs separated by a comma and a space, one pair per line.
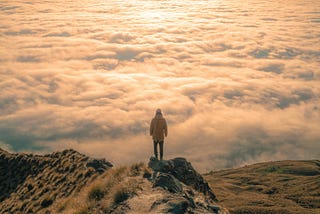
158, 130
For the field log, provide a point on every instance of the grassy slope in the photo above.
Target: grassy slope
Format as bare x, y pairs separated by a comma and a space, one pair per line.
103, 194
273, 187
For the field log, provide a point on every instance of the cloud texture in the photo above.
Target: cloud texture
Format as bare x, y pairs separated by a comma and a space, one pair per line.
237, 81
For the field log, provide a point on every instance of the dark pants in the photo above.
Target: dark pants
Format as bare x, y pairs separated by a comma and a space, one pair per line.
155, 148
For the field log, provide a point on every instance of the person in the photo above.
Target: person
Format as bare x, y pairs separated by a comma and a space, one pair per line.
158, 130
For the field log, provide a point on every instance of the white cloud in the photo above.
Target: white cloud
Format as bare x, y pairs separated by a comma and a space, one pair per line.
237, 84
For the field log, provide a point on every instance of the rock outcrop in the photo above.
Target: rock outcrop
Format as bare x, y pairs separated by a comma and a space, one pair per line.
191, 193
182, 170
29, 183
168, 182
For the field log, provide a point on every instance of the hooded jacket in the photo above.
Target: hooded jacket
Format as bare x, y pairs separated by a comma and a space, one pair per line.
158, 128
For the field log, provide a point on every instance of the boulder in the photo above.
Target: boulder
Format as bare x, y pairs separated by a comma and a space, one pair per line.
182, 170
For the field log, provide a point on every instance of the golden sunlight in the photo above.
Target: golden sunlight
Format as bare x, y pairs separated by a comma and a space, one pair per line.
238, 81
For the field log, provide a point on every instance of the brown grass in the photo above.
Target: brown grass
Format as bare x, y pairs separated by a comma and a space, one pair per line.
136, 168
106, 191
96, 193
83, 210
274, 187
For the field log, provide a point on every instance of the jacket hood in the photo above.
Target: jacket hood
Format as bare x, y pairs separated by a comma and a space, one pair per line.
158, 116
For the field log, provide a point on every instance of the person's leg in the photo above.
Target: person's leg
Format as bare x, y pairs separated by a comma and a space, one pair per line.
155, 148
161, 149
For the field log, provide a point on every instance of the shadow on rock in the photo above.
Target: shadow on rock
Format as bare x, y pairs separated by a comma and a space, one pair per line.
182, 170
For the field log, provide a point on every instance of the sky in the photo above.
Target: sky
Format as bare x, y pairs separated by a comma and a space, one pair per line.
237, 81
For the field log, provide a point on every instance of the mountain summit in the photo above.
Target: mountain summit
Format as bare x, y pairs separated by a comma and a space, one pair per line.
70, 182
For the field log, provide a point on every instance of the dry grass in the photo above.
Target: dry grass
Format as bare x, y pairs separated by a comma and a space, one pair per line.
275, 187
104, 192
125, 190
96, 193
136, 168
83, 210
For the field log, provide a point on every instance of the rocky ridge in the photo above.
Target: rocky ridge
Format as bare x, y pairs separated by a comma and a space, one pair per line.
70, 182
182, 170
169, 186
29, 183
192, 192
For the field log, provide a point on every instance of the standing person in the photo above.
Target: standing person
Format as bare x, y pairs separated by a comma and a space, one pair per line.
158, 129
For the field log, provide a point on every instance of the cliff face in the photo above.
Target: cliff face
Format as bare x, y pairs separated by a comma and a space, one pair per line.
29, 183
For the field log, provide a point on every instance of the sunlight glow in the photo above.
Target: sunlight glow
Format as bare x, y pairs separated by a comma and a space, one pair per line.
238, 81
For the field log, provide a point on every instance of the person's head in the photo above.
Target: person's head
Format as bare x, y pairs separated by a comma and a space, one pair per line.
158, 111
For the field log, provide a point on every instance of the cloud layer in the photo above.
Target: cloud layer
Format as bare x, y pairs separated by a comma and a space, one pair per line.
238, 82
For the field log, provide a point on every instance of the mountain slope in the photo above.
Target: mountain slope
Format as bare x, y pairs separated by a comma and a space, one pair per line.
168, 186
272, 187
29, 183
70, 182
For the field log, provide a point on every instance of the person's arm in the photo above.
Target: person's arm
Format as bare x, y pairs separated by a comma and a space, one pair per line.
151, 127
165, 128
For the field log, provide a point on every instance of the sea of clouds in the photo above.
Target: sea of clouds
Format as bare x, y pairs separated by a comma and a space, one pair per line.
238, 81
